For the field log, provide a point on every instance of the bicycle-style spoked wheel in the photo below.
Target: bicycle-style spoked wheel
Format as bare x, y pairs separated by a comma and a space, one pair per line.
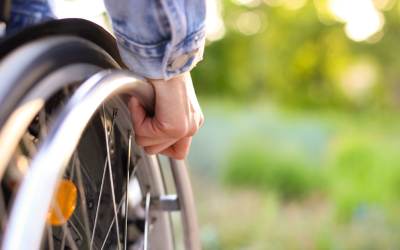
72, 163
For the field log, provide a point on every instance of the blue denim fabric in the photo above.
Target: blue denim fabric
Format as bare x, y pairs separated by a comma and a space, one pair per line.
153, 34
26, 13
156, 38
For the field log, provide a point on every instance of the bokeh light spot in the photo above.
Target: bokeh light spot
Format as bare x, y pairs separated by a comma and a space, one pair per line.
249, 23
274, 3
248, 3
294, 4
214, 23
384, 4
358, 79
362, 19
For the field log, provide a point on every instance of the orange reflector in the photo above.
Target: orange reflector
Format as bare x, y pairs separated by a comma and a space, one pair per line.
63, 203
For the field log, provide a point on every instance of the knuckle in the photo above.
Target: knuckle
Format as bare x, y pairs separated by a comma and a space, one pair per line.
137, 130
201, 120
176, 130
150, 150
139, 141
193, 130
180, 155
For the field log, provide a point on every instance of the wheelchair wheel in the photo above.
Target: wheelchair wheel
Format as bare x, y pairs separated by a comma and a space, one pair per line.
66, 135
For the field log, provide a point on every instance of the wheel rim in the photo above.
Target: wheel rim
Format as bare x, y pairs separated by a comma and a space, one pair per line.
31, 104
38, 194
148, 174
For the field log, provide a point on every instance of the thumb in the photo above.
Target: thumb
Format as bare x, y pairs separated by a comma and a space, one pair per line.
138, 114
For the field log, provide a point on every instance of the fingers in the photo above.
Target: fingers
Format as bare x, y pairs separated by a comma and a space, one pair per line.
155, 149
151, 126
177, 118
138, 113
179, 150
145, 141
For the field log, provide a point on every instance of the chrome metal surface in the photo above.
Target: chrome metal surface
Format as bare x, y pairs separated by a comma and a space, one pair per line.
165, 203
50, 237
146, 221
112, 222
111, 178
119, 205
3, 212
169, 203
115, 112
51, 161
82, 199
186, 202
151, 226
27, 225
63, 240
64, 227
31, 104
127, 189
149, 174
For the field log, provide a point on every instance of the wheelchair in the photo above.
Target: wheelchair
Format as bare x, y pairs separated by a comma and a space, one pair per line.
71, 175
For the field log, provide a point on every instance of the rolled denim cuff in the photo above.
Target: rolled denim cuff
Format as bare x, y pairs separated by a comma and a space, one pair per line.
163, 60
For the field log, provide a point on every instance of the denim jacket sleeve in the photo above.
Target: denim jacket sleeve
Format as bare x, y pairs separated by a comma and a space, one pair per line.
159, 38
156, 38
26, 13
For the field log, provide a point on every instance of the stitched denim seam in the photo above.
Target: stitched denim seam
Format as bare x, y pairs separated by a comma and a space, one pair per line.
146, 51
162, 17
200, 33
186, 50
172, 25
140, 45
174, 20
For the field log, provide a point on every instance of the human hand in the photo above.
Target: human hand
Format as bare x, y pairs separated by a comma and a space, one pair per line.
177, 118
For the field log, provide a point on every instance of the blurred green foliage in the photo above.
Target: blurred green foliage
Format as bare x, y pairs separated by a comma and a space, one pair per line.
359, 164
255, 165
298, 61
299, 180
338, 189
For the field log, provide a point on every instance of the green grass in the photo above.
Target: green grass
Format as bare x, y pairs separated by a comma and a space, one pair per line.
257, 166
298, 179
360, 164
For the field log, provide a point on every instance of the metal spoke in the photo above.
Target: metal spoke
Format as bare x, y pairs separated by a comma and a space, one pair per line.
50, 237
127, 188
132, 174
75, 228
83, 199
64, 227
29, 144
146, 221
69, 237
111, 225
63, 240
3, 212
42, 124
111, 178
119, 206
102, 180
55, 103
150, 229
72, 169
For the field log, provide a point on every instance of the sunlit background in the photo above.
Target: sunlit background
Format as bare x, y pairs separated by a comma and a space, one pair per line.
300, 148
